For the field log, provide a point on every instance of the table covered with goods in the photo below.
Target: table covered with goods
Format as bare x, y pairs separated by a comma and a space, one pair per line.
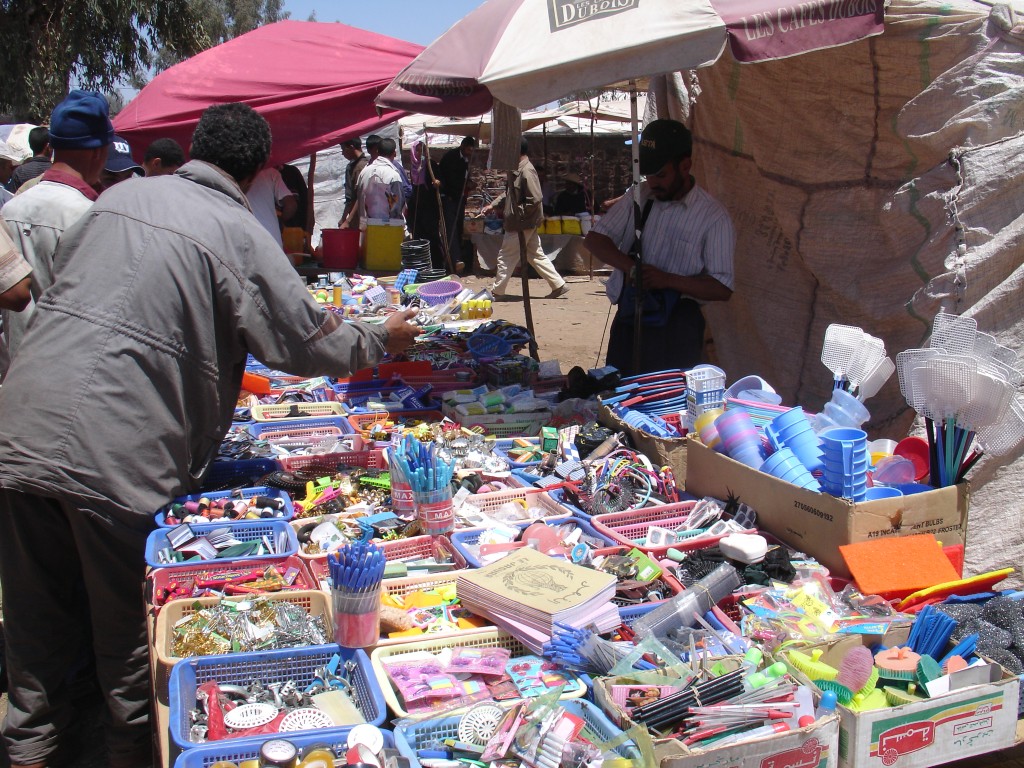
447, 562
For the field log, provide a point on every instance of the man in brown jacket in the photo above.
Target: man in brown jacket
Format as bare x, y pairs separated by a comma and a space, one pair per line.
524, 212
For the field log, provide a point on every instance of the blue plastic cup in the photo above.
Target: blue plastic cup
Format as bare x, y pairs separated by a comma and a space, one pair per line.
908, 489
785, 465
881, 492
807, 449
749, 454
794, 417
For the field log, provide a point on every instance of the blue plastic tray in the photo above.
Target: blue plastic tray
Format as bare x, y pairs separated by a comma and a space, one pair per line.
297, 664
205, 755
257, 428
226, 471
251, 531
467, 537
422, 735
245, 493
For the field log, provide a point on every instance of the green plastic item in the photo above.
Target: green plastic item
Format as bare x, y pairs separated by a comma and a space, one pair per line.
244, 549
411, 288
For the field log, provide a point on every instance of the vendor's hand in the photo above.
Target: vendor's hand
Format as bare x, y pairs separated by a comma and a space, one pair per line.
655, 278
401, 333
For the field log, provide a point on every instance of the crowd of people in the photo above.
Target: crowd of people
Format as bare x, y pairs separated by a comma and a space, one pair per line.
132, 293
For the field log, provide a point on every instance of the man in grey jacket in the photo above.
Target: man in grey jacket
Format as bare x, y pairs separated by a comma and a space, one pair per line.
117, 401
524, 211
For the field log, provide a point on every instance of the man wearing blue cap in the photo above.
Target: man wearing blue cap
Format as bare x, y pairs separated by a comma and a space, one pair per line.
120, 165
80, 135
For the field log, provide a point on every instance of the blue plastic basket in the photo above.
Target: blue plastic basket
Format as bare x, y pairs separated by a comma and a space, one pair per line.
468, 537
222, 472
257, 429
424, 734
296, 664
559, 495
243, 493
357, 402
205, 755
251, 531
630, 613
502, 446
485, 347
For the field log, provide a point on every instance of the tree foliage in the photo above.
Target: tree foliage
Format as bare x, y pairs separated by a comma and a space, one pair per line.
49, 46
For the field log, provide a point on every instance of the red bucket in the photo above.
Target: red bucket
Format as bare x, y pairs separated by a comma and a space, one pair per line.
340, 248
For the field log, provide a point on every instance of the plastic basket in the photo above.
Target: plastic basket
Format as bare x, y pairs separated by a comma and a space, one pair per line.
531, 497
503, 425
244, 473
362, 423
293, 411
251, 531
297, 428
424, 734
468, 537
357, 402
205, 755
558, 494
486, 347
297, 664
329, 462
243, 493
631, 527
502, 446
185, 575
439, 292
481, 638
402, 587
413, 548
314, 602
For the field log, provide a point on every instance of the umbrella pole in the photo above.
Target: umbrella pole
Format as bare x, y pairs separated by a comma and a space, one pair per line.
442, 228
310, 213
524, 265
637, 316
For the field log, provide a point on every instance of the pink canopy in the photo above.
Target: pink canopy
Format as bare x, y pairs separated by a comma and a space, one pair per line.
315, 83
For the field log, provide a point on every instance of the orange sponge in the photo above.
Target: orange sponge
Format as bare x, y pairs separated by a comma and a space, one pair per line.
896, 566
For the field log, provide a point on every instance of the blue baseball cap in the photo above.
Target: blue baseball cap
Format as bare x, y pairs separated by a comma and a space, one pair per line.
120, 158
81, 121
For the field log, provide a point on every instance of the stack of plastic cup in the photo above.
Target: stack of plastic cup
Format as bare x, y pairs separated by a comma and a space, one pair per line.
740, 438
785, 465
793, 430
845, 453
705, 426
843, 410
881, 492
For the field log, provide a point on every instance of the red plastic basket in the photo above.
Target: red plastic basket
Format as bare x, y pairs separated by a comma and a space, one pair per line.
631, 527
413, 548
160, 579
328, 461
363, 422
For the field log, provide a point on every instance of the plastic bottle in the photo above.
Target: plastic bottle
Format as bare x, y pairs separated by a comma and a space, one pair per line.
827, 705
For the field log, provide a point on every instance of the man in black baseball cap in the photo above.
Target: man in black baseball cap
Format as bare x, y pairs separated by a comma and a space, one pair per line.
119, 165
685, 249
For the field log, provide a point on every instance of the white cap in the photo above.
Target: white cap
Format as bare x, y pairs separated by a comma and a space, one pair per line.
6, 153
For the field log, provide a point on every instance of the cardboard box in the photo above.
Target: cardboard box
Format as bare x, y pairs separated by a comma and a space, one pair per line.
815, 746
817, 523
963, 723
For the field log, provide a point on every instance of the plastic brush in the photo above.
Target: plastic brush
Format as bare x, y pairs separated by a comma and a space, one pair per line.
962, 649
865, 702
897, 663
897, 696
856, 668
812, 666
843, 694
928, 669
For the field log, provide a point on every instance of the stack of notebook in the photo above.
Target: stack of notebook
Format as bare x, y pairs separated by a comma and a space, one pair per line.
527, 593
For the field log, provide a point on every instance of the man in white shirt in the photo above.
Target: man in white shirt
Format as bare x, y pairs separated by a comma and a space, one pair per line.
379, 188
268, 195
687, 248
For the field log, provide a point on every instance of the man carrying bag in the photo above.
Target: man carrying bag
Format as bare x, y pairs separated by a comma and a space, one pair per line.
685, 250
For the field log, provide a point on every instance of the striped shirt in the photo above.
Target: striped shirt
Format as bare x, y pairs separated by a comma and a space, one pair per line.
692, 236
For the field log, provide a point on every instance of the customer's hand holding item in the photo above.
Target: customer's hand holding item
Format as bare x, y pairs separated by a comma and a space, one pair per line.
401, 333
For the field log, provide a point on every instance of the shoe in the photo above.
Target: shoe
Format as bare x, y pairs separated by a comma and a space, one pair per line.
558, 292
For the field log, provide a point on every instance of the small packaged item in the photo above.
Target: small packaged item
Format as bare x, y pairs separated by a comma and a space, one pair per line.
478, 661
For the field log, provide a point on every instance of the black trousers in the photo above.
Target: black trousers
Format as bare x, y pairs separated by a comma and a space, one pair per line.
49, 550
679, 343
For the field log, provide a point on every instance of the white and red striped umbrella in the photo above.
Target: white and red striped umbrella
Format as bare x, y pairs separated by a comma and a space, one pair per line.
530, 52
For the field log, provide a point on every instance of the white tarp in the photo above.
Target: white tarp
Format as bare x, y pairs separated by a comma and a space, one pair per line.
843, 170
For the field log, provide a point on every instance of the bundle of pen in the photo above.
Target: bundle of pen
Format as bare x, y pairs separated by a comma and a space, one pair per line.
737, 705
356, 571
582, 650
428, 468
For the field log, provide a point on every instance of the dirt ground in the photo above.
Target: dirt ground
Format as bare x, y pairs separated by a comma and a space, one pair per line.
571, 330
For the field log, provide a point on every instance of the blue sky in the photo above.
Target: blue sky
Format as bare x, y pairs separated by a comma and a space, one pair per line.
418, 21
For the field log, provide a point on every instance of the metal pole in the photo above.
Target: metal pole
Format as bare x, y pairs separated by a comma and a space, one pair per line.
638, 265
524, 265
